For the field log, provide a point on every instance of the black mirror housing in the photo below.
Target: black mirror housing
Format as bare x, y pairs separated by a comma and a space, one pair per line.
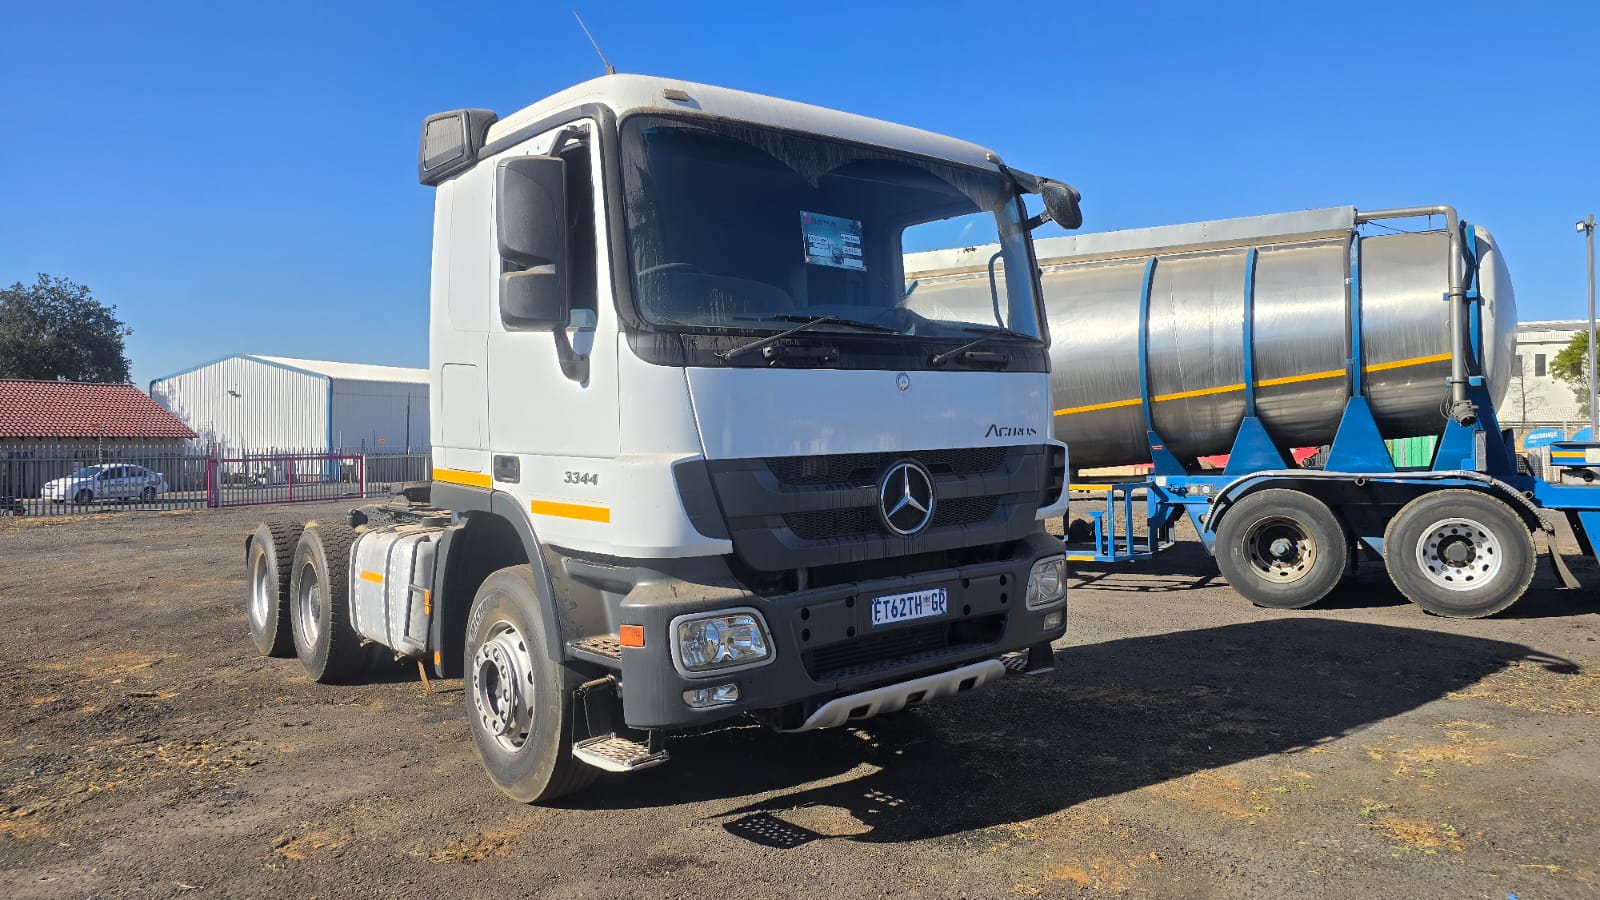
531, 232
1061, 203
531, 210
533, 301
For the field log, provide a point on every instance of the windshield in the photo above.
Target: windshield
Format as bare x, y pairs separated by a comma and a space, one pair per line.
736, 226
86, 472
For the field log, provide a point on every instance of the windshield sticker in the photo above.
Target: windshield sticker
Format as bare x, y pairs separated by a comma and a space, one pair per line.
832, 241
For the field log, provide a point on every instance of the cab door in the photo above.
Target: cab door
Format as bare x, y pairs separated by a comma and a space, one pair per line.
536, 409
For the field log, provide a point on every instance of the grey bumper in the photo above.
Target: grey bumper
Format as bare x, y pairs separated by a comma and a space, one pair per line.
824, 645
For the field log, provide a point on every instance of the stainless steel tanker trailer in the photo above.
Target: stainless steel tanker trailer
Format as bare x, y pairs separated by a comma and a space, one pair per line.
1332, 328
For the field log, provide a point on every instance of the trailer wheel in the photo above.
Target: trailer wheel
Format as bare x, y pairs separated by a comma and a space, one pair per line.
1460, 554
1281, 549
269, 562
519, 701
319, 603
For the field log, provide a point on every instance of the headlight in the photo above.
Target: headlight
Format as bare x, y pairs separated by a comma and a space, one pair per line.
1047, 583
722, 641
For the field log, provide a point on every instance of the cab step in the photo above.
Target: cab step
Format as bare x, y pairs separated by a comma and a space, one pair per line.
613, 753
604, 649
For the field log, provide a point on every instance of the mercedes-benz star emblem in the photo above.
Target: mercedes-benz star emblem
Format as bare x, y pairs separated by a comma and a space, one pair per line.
905, 498
903, 381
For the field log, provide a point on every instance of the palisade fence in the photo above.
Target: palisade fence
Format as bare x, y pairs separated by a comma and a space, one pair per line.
68, 479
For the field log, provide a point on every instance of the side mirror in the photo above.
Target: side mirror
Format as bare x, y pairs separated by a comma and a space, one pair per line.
1061, 203
533, 301
531, 231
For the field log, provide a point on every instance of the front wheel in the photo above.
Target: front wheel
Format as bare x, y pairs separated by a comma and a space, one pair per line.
148, 495
1281, 549
1460, 554
84, 497
519, 701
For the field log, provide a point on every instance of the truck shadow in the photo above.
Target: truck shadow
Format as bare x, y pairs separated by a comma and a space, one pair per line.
1114, 717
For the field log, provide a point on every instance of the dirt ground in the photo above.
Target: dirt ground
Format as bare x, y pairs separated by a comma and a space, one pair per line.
1187, 744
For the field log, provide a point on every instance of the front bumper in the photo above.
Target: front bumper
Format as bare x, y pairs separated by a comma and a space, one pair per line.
823, 643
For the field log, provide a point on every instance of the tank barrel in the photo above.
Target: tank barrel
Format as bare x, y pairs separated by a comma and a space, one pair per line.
1460, 408
1281, 318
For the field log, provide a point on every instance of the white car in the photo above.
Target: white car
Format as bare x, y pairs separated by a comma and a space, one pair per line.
107, 482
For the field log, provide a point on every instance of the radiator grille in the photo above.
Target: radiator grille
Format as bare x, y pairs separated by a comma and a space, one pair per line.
858, 469
824, 524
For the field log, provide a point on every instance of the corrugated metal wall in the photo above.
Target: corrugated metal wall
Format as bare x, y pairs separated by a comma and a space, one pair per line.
380, 416
246, 404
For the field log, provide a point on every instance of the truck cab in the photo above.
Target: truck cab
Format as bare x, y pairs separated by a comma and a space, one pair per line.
700, 448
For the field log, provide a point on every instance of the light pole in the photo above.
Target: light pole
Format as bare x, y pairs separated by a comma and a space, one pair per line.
1587, 227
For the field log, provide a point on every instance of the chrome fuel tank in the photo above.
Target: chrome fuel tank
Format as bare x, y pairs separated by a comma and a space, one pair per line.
1312, 277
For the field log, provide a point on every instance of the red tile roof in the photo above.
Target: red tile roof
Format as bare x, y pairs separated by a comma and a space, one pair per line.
70, 409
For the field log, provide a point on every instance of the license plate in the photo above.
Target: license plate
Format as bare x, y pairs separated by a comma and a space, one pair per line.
905, 607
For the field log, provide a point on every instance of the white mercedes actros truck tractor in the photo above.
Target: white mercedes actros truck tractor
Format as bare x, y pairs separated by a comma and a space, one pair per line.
702, 447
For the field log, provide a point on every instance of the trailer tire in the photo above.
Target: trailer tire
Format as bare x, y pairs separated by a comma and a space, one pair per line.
1459, 554
319, 604
519, 702
1281, 549
268, 564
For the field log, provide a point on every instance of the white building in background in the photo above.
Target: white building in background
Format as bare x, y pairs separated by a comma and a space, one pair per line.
1535, 397
256, 403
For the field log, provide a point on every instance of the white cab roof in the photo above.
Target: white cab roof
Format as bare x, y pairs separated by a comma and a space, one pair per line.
625, 94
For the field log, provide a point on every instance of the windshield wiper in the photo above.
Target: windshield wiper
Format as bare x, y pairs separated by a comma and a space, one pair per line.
870, 326
984, 334
804, 324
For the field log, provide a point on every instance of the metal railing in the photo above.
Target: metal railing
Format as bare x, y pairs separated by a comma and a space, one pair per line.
51, 480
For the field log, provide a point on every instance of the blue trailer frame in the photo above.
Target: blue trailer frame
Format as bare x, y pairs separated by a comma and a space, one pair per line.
1358, 478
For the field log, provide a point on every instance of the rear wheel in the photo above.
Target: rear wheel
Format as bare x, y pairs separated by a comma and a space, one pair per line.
1281, 549
519, 701
319, 603
270, 563
1461, 554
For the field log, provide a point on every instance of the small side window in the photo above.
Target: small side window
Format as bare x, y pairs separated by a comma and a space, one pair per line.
1538, 365
580, 227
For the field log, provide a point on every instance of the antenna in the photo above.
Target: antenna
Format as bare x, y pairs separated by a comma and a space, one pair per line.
610, 69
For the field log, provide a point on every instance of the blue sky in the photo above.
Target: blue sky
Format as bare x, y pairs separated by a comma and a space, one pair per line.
243, 178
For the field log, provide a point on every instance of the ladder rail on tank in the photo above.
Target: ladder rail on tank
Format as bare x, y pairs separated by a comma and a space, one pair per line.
1472, 450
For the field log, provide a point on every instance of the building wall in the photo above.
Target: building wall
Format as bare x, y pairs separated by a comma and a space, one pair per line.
1535, 397
241, 403
380, 416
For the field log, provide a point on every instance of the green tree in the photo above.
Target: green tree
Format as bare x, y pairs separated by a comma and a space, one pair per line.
55, 330
1572, 366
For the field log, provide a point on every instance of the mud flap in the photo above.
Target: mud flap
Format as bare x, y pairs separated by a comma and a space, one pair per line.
1563, 573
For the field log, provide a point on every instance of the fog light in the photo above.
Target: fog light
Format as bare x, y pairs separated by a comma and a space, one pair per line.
1055, 620
1047, 583
713, 696
722, 641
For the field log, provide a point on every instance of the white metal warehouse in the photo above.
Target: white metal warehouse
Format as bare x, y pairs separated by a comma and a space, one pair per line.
249, 403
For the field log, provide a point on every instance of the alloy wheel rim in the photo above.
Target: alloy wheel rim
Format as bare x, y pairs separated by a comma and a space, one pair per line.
1459, 554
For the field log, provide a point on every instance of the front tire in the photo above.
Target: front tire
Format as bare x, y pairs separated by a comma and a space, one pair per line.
319, 607
1459, 554
269, 565
519, 701
1281, 549
84, 497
